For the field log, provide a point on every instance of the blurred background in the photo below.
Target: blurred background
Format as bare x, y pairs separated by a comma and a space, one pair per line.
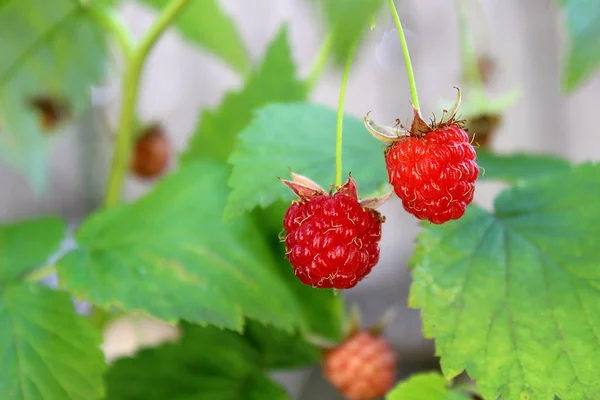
523, 39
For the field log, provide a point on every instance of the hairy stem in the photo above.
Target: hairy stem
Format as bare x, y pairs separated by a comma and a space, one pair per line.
340, 118
320, 63
409, 68
131, 80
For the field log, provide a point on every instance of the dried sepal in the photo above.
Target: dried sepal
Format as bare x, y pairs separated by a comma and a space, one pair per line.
303, 180
349, 188
419, 127
353, 324
322, 343
386, 319
449, 116
376, 202
304, 188
52, 111
385, 134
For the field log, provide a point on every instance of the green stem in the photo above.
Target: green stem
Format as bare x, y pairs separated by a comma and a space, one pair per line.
409, 68
111, 21
131, 82
340, 118
320, 63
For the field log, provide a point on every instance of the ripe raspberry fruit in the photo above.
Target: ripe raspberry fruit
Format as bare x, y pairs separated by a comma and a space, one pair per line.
332, 239
363, 367
152, 153
431, 167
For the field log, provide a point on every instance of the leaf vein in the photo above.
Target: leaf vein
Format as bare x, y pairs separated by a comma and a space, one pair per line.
12, 69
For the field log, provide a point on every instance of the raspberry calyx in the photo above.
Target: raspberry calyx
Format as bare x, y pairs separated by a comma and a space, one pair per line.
332, 239
432, 167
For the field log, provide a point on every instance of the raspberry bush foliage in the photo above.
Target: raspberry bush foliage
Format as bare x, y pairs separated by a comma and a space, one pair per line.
250, 273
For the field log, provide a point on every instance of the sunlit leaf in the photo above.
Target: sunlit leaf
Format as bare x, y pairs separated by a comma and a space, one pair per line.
27, 244
513, 297
49, 48
47, 350
427, 385
300, 137
274, 81
206, 364
171, 256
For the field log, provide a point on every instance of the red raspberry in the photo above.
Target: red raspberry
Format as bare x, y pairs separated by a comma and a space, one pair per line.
431, 167
434, 175
363, 367
332, 241
152, 153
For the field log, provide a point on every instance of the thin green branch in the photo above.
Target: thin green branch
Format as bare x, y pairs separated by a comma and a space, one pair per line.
131, 82
168, 15
409, 68
320, 63
112, 22
340, 118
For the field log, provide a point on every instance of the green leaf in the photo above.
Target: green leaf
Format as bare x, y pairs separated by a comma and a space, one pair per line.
514, 167
170, 255
280, 350
300, 137
205, 23
207, 364
348, 22
427, 385
321, 308
27, 244
47, 350
477, 103
274, 81
583, 25
49, 48
514, 296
